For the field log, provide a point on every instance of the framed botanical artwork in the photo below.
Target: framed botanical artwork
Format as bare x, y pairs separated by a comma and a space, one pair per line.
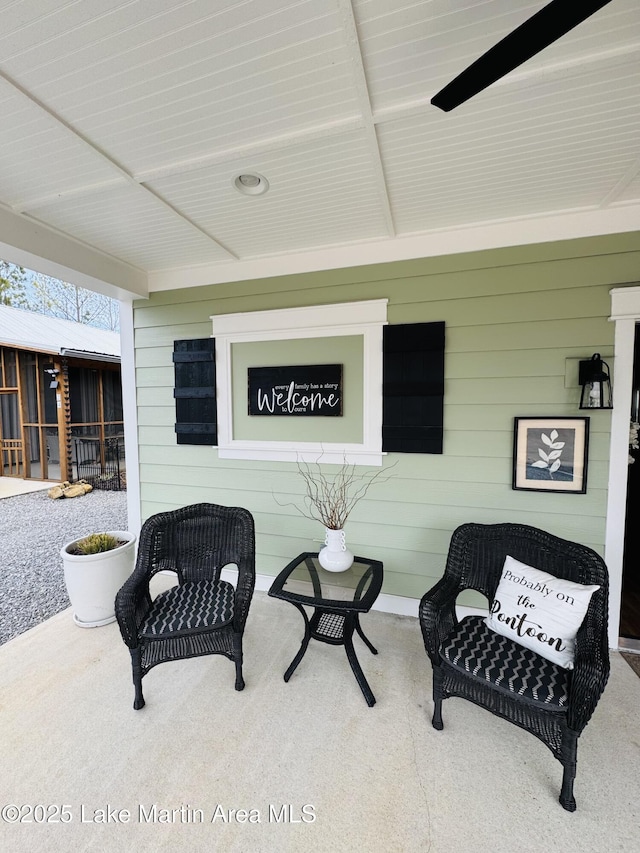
550, 454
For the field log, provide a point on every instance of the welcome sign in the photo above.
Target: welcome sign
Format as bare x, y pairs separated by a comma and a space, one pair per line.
302, 390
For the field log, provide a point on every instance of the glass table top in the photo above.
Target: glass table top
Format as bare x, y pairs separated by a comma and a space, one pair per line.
306, 582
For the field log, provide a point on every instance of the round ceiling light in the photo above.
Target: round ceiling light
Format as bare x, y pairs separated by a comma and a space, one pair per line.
251, 183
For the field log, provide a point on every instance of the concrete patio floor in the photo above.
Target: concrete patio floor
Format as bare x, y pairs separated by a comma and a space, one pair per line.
11, 486
303, 766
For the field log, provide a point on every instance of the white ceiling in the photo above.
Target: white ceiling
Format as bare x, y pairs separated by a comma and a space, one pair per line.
124, 124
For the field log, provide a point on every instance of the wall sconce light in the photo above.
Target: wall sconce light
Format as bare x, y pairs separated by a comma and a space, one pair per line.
53, 376
594, 378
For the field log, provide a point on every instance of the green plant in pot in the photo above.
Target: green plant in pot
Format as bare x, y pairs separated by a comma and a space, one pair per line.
95, 567
97, 543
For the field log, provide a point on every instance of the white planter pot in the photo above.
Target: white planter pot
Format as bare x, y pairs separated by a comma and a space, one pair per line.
94, 579
335, 556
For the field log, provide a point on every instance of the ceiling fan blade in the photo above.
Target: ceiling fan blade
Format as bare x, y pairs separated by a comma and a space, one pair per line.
538, 32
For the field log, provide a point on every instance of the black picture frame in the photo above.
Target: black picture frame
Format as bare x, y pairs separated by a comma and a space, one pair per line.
550, 454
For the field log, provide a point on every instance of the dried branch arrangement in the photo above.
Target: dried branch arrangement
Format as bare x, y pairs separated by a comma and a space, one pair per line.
330, 498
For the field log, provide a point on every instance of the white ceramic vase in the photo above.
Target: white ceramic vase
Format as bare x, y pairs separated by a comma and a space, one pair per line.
94, 579
335, 556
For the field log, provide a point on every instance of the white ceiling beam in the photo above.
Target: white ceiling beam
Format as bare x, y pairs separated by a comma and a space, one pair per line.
69, 130
253, 149
27, 204
476, 237
616, 191
34, 203
524, 74
354, 51
419, 106
30, 244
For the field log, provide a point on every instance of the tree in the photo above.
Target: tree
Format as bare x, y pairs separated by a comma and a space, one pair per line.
13, 281
43, 294
61, 299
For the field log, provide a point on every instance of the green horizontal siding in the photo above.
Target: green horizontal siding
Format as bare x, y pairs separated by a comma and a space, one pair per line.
516, 322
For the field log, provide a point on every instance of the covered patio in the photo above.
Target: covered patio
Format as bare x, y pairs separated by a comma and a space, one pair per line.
202, 161
289, 767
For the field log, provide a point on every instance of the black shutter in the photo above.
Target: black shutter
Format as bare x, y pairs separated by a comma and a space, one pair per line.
195, 391
413, 388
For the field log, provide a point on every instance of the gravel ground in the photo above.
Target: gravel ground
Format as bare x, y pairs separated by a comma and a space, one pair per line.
33, 529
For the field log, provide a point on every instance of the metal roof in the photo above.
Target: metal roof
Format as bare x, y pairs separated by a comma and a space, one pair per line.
50, 334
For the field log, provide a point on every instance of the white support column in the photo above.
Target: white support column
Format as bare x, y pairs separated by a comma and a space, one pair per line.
130, 412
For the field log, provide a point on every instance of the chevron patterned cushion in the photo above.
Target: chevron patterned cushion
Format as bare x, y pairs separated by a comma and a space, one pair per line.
475, 648
189, 608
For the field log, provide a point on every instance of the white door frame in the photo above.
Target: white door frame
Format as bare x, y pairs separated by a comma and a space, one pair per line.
625, 312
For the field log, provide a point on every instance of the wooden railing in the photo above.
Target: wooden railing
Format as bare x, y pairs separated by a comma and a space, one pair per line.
12, 457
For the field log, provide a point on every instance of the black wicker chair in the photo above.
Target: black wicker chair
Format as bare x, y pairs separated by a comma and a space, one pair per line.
475, 561
203, 614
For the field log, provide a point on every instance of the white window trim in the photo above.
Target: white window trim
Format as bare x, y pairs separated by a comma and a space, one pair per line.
317, 321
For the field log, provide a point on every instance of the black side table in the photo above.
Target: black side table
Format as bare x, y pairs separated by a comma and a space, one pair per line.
337, 599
